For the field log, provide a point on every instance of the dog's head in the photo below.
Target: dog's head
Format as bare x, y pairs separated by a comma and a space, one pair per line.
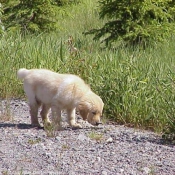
91, 108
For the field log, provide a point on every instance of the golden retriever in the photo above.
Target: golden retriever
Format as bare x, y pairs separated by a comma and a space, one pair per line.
59, 92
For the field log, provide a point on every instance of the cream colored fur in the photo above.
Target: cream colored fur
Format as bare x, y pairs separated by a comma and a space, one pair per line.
59, 91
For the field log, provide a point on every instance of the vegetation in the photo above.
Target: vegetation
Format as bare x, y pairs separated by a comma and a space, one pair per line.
5, 113
1, 25
136, 21
137, 85
33, 15
95, 136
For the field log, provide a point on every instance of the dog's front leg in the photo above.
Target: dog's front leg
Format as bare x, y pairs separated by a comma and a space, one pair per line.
56, 118
71, 118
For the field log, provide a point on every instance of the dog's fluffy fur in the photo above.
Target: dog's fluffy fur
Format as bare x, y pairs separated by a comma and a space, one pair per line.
59, 91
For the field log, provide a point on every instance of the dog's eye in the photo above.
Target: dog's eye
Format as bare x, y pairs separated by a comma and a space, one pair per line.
94, 112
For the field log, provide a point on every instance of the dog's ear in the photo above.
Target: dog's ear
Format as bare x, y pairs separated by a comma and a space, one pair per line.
83, 109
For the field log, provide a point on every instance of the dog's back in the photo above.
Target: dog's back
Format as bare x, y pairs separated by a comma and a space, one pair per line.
47, 86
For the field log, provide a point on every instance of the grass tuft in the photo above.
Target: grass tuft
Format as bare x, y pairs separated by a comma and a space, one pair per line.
95, 136
5, 112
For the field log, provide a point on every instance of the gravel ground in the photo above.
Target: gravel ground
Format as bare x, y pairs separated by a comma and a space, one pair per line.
104, 150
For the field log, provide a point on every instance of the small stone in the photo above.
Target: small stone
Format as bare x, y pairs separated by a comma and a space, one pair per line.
147, 170
74, 149
58, 138
121, 170
104, 173
92, 149
109, 140
82, 137
72, 173
98, 159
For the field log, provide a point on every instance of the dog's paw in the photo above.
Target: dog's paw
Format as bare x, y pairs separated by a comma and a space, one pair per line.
76, 126
37, 125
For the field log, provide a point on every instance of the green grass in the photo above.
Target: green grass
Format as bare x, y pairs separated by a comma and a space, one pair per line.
95, 136
137, 86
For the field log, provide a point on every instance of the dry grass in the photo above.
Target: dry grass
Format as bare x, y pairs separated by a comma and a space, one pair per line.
5, 113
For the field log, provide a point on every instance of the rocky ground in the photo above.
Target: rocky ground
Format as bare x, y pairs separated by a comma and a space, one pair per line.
104, 150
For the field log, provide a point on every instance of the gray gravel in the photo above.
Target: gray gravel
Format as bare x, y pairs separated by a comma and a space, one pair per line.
104, 150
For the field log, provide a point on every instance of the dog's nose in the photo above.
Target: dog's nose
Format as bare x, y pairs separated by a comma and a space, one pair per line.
98, 123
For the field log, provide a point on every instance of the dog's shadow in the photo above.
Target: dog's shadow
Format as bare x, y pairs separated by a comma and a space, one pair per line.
29, 126
18, 126
158, 141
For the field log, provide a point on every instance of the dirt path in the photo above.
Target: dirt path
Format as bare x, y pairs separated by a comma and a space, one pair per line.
105, 150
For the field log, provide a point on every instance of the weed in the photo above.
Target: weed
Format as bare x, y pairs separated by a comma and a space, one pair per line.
95, 136
5, 112
105, 120
65, 147
50, 130
32, 142
5, 172
21, 171
152, 170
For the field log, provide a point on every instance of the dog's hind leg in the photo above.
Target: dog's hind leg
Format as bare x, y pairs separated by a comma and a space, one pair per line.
71, 118
44, 114
34, 106
34, 113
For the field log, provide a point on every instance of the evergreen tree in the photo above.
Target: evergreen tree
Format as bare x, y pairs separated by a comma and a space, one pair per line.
30, 15
136, 21
65, 2
1, 25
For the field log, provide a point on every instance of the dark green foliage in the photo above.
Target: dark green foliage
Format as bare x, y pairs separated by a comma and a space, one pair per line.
1, 25
33, 15
65, 2
30, 15
135, 21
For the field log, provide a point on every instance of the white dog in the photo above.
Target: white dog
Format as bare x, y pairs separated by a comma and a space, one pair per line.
59, 91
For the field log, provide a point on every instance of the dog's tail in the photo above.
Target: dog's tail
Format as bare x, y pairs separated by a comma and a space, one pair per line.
22, 73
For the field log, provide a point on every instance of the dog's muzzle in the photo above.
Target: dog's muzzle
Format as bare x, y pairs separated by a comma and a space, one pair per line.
98, 123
